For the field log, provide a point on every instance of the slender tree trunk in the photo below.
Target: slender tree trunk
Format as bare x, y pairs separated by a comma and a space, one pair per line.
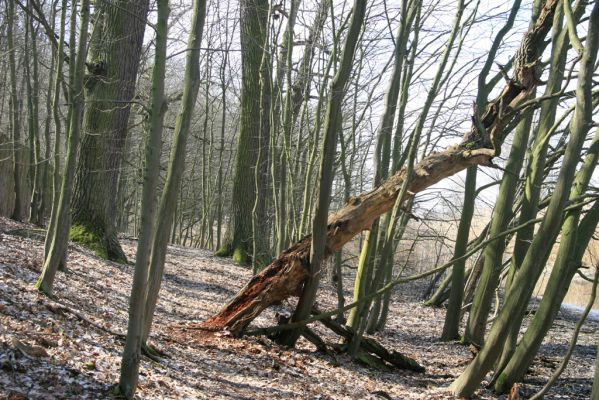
566, 357
47, 191
333, 121
15, 122
380, 309
139, 290
287, 125
56, 176
397, 156
537, 165
366, 264
358, 316
219, 184
166, 208
538, 157
452, 317
493, 253
481, 305
59, 242
307, 193
517, 297
31, 68
567, 262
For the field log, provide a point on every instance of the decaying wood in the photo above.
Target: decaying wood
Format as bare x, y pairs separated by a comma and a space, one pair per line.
371, 346
370, 352
316, 340
285, 276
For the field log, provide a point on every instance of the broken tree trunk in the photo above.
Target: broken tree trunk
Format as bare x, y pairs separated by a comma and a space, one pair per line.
370, 345
370, 351
285, 276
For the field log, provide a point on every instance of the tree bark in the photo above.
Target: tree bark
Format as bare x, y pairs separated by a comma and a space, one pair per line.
563, 271
15, 122
285, 63
33, 89
260, 254
168, 200
453, 314
139, 290
493, 253
475, 328
374, 240
333, 123
238, 239
115, 51
58, 244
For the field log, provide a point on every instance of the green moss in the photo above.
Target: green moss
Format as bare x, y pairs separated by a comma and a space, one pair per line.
240, 256
500, 383
118, 258
223, 252
42, 288
372, 361
87, 237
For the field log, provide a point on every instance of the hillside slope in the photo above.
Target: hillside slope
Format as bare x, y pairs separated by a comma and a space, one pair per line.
69, 347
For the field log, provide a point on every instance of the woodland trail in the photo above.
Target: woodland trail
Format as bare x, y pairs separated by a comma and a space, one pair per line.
70, 347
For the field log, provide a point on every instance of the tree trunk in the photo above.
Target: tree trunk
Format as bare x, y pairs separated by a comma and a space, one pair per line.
453, 314
139, 290
517, 297
58, 244
15, 122
366, 265
567, 263
287, 119
113, 62
333, 122
238, 239
493, 253
166, 208
32, 77
260, 254
56, 176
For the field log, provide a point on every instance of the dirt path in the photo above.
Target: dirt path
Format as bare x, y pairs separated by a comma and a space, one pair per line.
70, 347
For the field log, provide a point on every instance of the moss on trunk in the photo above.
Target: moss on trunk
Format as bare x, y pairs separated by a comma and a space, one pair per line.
98, 241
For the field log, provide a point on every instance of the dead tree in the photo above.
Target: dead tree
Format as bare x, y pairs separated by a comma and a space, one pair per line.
285, 276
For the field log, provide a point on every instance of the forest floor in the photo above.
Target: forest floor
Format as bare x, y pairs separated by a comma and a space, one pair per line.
70, 346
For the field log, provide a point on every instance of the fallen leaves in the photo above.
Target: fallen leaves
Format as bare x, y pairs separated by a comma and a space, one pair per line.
32, 351
70, 347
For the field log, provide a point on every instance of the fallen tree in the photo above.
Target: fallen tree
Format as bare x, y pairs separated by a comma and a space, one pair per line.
285, 276
371, 352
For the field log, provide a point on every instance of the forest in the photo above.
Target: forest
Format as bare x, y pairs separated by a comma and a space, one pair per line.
329, 199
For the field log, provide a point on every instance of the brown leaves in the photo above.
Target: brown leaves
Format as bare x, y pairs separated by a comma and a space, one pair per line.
59, 355
32, 351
